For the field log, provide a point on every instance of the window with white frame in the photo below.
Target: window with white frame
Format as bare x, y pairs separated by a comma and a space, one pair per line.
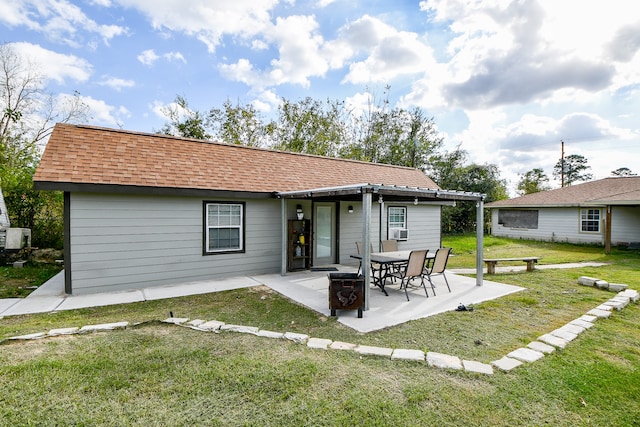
396, 219
223, 227
590, 220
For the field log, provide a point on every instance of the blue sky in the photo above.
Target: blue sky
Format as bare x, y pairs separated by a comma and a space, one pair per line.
507, 81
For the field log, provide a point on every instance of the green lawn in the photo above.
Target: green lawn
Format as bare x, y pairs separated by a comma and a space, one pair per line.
20, 282
158, 374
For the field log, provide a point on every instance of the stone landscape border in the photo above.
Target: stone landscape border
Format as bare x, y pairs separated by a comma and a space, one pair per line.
535, 350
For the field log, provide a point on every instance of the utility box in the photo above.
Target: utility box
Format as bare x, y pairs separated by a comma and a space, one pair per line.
16, 239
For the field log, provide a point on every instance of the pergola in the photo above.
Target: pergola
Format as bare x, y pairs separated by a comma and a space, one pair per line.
384, 193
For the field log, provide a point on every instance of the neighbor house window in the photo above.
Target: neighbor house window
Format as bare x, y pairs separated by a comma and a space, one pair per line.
223, 227
590, 220
518, 218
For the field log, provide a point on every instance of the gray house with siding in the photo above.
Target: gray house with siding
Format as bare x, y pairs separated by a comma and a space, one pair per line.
603, 212
148, 210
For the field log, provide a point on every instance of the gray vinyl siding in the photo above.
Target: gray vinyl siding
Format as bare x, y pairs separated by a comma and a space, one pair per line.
121, 242
423, 223
424, 228
625, 225
554, 225
351, 230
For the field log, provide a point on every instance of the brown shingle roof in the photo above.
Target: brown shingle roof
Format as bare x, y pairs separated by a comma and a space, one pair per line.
613, 190
90, 155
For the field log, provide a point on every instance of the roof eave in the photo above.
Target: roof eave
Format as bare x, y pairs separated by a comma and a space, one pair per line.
74, 187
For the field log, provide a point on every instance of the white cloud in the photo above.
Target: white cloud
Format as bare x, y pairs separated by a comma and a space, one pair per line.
241, 71
103, 3
208, 21
59, 20
390, 53
116, 83
104, 114
324, 3
267, 101
149, 57
55, 66
515, 53
174, 56
534, 141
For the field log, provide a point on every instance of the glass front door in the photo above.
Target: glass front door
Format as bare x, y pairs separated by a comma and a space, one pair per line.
324, 220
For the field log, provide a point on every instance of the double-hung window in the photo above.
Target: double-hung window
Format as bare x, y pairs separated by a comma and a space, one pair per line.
397, 223
397, 217
590, 220
223, 227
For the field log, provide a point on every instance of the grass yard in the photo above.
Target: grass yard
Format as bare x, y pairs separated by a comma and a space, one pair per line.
20, 282
158, 374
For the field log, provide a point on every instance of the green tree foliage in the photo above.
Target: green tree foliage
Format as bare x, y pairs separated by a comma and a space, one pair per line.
575, 169
328, 128
183, 121
622, 172
309, 126
533, 181
395, 136
451, 171
27, 116
243, 125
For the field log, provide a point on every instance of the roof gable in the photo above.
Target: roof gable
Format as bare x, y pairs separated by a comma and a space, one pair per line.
78, 154
612, 190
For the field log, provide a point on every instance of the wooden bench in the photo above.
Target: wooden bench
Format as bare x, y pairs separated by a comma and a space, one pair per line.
491, 262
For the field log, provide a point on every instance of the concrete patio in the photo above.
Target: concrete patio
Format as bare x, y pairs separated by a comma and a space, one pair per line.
308, 288
311, 290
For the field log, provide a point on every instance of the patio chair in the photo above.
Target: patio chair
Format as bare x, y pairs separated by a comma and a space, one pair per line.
437, 267
389, 245
413, 269
374, 265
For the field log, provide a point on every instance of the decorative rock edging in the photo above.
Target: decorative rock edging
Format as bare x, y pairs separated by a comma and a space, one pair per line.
560, 337
536, 350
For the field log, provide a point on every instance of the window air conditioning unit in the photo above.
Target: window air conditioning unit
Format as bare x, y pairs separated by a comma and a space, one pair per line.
399, 233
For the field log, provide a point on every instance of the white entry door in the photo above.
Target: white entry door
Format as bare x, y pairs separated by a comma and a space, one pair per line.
324, 232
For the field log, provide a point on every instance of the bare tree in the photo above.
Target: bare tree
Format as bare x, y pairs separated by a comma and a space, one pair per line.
27, 116
28, 112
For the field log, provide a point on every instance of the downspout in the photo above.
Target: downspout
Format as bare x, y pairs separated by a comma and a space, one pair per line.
283, 249
607, 230
381, 207
67, 243
479, 240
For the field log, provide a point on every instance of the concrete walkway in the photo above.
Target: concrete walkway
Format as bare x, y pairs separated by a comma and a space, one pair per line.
307, 288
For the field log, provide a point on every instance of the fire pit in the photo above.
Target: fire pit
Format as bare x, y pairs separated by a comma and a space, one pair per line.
346, 292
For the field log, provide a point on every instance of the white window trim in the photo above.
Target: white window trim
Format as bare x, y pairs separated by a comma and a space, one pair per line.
207, 228
582, 220
389, 226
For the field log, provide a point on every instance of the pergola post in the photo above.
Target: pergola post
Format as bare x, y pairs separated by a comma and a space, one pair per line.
479, 240
366, 245
283, 250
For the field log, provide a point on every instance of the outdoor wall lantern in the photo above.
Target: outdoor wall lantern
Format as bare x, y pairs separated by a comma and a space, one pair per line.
299, 212
415, 201
350, 209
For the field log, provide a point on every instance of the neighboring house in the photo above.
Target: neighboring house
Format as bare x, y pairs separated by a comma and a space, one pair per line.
145, 210
604, 212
